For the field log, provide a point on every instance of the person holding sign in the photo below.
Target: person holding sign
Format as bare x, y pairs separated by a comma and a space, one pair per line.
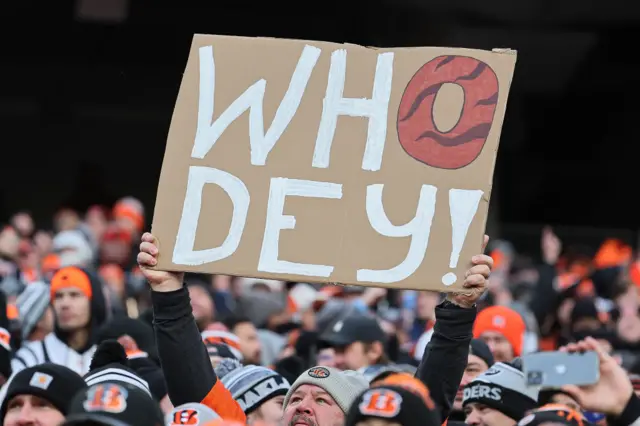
190, 377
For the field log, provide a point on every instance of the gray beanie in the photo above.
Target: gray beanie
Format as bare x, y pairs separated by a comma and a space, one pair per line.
343, 386
32, 303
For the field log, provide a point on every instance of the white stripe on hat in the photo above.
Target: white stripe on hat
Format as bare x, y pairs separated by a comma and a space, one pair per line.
117, 375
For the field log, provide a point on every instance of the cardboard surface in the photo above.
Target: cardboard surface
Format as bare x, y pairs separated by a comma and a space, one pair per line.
328, 151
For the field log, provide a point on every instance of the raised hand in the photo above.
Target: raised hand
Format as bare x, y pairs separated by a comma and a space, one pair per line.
476, 279
161, 281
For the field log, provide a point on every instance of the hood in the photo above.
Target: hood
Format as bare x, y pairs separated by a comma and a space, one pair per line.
99, 314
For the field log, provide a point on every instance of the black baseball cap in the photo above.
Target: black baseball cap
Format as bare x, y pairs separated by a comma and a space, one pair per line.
114, 404
355, 327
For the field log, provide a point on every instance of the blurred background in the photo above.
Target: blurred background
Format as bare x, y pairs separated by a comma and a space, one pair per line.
88, 88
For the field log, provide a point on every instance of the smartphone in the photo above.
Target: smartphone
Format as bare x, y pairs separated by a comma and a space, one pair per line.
556, 369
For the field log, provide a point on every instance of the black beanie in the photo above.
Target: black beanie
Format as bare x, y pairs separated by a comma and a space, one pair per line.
480, 349
152, 374
52, 382
394, 404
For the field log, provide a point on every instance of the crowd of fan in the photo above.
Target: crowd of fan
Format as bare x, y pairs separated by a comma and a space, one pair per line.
83, 340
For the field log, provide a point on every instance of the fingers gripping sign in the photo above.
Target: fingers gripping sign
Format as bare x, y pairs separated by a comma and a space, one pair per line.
476, 279
162, 281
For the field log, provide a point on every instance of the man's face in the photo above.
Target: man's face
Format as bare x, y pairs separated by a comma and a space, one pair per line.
270, 412
25, 410
481, 415
311, 405
499, 345
355, 356
249, 342
72, 309
475, 367
47, 321
201, 305
326, 357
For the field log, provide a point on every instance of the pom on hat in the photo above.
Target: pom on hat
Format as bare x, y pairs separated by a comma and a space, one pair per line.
109, 352
226, 366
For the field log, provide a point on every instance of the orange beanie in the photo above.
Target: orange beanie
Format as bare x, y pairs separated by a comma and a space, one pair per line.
503, 320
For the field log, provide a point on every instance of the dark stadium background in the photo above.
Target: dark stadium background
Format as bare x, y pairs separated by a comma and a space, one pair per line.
87, 90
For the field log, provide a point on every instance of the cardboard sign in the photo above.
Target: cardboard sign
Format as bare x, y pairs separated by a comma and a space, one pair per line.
323, 162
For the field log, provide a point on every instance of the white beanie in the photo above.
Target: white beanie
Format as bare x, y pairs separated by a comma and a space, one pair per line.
343, 386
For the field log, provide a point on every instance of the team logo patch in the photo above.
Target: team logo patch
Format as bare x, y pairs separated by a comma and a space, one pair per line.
40, 380
526, 420
491, 372
499, 321
186, 417
319, 373
107, 397
381, 403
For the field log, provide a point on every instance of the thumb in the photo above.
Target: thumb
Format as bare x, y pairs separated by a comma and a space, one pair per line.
485, 241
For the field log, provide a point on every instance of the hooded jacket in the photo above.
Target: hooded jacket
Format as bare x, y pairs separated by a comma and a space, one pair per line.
54, 348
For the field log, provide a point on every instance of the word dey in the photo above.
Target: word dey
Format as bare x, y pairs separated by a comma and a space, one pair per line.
419, 228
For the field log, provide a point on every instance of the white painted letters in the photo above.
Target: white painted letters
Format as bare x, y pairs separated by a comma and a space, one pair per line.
419, 229
276, 221
463, 205
183, 252
252, 99
375, 109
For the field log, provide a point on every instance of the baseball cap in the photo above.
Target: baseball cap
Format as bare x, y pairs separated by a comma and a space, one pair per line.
191, 414
114, 404
355, 327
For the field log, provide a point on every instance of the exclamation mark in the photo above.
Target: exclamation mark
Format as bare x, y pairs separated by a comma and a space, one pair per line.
463, 205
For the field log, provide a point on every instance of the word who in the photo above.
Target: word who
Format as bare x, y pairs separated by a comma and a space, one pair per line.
463, 204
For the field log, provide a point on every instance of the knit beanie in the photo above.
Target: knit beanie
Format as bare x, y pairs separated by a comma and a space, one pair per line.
192, 414
480, 349
503, 388
32, 303
343, 386
253, 385
114, 403
232, 341
110, 365
553, 413
503, 320
393, 404
54, 383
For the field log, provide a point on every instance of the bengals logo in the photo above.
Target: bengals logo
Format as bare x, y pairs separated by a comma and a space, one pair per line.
319, 373
108, 398
381, 403
185, 417
563, 411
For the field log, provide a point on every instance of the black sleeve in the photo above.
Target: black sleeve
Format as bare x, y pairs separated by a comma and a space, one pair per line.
446, 355
630, 415
184, 359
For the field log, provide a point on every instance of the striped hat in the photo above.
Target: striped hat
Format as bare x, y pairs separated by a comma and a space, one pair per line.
110, 365
32, 303
215, 337
253, 385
